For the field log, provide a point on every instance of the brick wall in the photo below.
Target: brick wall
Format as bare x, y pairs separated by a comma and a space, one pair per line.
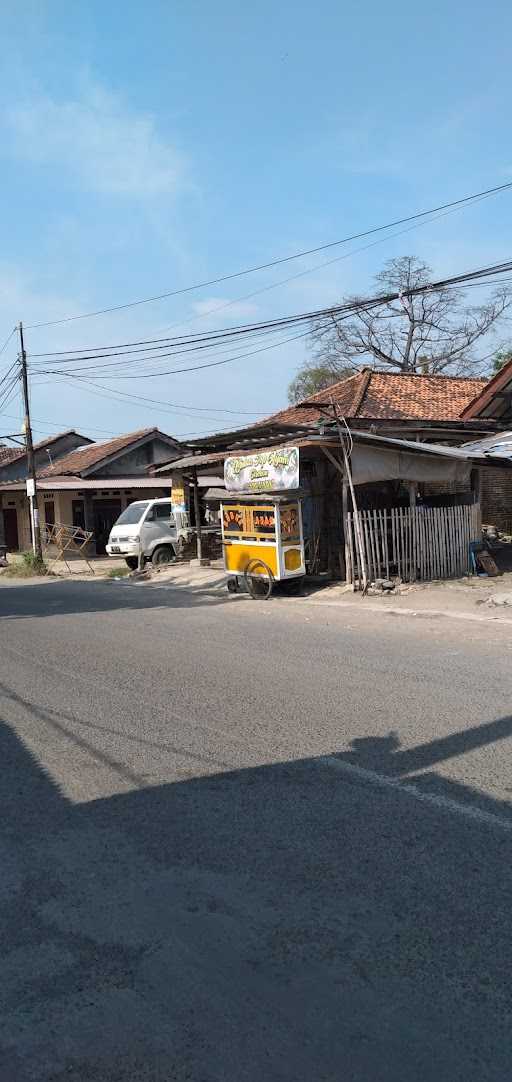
496, 498
444, 488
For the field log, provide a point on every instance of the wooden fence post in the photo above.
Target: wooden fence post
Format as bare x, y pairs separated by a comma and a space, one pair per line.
349, 573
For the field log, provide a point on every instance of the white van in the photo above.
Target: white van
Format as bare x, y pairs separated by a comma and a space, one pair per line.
148, 524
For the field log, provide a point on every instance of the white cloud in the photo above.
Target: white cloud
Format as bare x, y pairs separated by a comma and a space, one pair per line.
100, 142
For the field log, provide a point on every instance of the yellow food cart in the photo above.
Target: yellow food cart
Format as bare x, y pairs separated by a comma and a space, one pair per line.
262, 540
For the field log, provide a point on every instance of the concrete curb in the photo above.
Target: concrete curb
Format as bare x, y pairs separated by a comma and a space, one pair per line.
340, 604
217, 587
421, 613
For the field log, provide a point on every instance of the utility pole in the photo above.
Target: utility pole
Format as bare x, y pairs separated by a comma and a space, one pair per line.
355, 509
31, 466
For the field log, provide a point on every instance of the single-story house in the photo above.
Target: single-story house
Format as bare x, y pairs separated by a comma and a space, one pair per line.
85, 485
14, 519
13, 460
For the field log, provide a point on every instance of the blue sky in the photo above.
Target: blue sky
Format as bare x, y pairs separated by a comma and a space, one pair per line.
145, 147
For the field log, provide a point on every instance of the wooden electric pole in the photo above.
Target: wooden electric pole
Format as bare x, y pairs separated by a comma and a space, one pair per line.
31, 466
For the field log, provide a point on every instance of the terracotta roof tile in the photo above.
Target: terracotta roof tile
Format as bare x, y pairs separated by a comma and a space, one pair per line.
389, 395
19, 452
8, 454
344, 393
85, 457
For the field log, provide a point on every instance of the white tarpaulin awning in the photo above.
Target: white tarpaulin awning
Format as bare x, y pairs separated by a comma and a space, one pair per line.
371, 464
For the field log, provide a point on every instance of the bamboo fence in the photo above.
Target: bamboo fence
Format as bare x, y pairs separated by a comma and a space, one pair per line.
416, 544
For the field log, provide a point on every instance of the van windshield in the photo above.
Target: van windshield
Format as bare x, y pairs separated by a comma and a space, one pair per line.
133, 513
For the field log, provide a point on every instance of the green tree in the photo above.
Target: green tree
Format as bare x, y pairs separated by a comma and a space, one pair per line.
311, 378
500, 359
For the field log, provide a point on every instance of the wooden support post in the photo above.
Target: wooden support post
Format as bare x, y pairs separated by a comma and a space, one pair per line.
349, 571
346, 473
197, 514
476, 488
3, 543
89, 518
413, 492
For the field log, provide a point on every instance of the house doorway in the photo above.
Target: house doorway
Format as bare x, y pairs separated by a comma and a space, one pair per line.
105, 514
11, 529
78, 513
49, 512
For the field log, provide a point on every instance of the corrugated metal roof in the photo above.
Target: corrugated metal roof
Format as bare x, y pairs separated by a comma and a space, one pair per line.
498, 445
331, 440
261, 430
67, 483
189, 462
410, 445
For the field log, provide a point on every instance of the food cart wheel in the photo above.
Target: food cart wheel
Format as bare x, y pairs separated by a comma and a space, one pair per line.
259, 580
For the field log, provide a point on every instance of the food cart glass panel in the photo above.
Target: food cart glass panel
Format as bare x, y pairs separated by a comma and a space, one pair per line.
290, 523
234, 519
263, 521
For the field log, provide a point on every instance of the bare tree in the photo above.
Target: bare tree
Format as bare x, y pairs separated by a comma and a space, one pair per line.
430, 332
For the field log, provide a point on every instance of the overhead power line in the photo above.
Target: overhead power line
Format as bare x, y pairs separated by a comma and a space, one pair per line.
276, 262
153, 404
9, 392
144, 403
193, 342
6, 374
93, 353
7, 340
257, 292
320, 266
52, 425
341, 311
478, 276
180, 409
73, 374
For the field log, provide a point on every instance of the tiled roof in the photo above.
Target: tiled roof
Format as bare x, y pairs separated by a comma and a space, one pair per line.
85, 457
499, 384
389, 395
8, 454
19, 452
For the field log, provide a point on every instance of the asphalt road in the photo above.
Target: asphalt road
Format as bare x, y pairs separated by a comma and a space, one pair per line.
251, 842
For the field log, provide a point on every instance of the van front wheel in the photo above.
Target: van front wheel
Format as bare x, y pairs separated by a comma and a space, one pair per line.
163, 555
132, 562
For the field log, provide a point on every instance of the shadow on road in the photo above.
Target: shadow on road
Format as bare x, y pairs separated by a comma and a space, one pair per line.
61, 598
384, 756
276, 923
